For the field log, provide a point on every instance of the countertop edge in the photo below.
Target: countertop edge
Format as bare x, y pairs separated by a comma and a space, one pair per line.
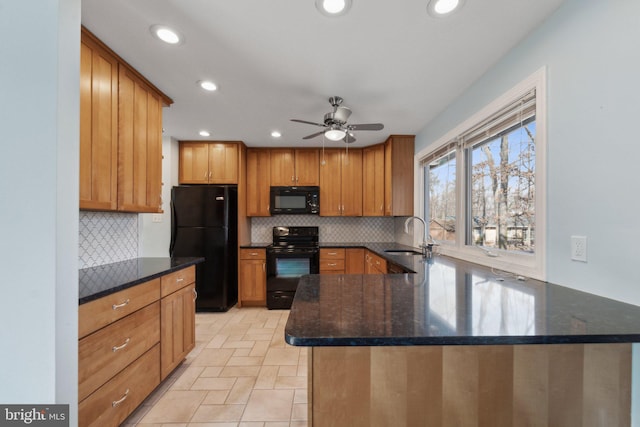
142, 279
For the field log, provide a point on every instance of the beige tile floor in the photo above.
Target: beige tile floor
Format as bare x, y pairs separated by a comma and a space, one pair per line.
241, 373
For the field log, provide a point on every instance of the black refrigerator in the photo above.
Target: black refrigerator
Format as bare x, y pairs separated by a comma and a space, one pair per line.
204, 223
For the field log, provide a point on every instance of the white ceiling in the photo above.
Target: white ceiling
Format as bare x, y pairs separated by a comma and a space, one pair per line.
281, 59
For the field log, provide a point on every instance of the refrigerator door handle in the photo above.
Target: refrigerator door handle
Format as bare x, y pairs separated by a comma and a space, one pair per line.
174, 228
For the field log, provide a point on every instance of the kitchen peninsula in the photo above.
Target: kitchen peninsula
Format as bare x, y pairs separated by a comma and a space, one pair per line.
457, 344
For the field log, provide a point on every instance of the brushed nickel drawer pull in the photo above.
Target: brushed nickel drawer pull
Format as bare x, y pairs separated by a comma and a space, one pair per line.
195, 294
120, 347
332, 264
122, 399
179, 279
332, 253
117, 306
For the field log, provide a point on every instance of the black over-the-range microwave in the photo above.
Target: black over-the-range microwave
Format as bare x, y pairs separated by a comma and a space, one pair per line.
295, 200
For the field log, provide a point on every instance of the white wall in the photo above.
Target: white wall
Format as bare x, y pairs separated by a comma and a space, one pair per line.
39, 185
154, 237
590, 49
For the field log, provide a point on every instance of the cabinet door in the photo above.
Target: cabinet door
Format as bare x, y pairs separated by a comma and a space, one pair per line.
354, 261
352, 182
98, 127
177, 328
258, 179
282, 167
330, 183
223, 163
139, 145
373, 180
253, 282
307, 167
193, 163
398, 175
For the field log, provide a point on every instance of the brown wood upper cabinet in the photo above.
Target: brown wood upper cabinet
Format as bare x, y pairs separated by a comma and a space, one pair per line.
120, 133
139, 145
208, 162
341, 182
98, 126
258, 178
373, 180
398, 175
299, 167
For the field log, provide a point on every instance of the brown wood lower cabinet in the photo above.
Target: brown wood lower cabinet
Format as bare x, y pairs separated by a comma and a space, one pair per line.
130, 341
119, 397
568, 385
252, 277
177, 328
342, 260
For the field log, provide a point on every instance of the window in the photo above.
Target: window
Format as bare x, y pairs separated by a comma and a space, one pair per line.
484, 184
440, 175
502, 190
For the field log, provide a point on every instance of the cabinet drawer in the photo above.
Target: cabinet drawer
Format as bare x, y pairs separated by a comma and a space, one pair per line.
332, 253
177, 280
99, 313
332, 265
106, 352
118, 398
253, 254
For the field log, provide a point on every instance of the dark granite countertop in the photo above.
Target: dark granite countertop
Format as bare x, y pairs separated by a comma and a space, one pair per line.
102, 280
450, 302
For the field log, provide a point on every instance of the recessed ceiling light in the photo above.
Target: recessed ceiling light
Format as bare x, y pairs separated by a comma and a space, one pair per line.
166, 34
333, 7
276, 134
204, 133
208, 85
440, 8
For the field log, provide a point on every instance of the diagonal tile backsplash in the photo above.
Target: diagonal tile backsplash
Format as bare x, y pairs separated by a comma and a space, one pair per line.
331, 229
107, 237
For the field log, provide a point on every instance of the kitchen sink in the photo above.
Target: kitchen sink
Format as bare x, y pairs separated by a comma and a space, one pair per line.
401, 252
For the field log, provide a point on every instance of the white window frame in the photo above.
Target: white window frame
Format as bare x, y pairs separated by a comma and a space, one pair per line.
526, 265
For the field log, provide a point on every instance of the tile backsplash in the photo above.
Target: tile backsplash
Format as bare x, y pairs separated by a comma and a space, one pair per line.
331, 229
107, 237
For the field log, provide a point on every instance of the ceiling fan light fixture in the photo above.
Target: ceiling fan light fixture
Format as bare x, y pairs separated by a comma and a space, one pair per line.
333, 7
442, 8
166, 34
334, 134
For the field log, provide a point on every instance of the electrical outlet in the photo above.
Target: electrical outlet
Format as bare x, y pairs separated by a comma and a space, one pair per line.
579, 248
156, 218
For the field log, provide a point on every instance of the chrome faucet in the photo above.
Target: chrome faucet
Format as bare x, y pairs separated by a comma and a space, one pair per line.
427, 241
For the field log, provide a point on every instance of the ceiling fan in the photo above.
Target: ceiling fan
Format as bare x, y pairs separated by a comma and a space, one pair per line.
335, 123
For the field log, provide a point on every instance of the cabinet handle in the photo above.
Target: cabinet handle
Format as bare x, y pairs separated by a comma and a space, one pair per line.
120, 347
293, 178
122, 399
254, 254
206, 175
332, 264
180, 279
209, 175
195, 294
117, 306
263, 266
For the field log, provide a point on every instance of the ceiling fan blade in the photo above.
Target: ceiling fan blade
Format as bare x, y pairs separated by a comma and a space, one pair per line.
313, 135
309, 123
367, 126
349, 138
